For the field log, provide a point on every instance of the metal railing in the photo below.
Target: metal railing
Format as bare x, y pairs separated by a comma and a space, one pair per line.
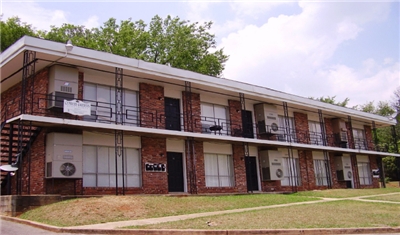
104, 112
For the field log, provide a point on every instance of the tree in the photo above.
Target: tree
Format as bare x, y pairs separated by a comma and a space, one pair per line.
169, 41
331, 100
12, 30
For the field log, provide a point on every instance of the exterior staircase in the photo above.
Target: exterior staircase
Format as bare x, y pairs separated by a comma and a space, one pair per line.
9, 144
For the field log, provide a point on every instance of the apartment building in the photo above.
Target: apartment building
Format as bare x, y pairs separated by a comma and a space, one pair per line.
75, 121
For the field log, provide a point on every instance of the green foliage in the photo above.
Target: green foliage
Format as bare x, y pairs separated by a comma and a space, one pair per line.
169, 41
331, 100
390, 167
383, 108
12, 30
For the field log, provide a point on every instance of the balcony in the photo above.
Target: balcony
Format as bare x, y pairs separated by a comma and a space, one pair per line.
131, 115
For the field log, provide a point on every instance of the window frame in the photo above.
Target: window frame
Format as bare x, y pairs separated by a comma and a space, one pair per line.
296, 177
104, 111
208, 120
320, 172
108, 171
220, 178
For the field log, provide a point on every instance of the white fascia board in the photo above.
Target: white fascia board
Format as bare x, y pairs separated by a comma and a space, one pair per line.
12, 51
107, 59
205, 137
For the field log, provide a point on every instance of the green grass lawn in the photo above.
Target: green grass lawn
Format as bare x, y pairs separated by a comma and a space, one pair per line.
336, 214
96, 210
118, 208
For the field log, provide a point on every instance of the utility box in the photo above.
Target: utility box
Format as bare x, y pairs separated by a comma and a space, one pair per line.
271, 165
63, 155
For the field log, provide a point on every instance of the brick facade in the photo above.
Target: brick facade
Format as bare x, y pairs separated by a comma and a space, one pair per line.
235, 117
330, 137
151, 103
369, 138
154, 150
301, 127
196, 112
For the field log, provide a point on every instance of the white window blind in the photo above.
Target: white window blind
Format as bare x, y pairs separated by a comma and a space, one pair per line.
218, 170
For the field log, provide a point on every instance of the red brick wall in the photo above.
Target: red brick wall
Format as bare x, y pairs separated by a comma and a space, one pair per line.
38, 161
374, 165
350, 140
301, 127
239, 168
198, 161
196, 112
151, 101
306, 169
154, 150
369, 138
335, 183
354, 167
235, 117
330, 137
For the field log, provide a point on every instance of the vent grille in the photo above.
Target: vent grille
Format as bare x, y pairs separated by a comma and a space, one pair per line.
66, 89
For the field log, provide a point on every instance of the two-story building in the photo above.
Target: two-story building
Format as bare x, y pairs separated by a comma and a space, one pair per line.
83, 122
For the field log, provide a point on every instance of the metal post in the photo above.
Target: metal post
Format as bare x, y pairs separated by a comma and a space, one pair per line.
189, 142
119, 134
396, 150
288, 135
322, 124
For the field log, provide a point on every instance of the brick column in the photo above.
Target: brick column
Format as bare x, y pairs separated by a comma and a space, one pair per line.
306, 169
301, 127
154, 150
196, 112
239, 168
235, 117
151, 103
199, 167
330, 137
369, 137
36, 177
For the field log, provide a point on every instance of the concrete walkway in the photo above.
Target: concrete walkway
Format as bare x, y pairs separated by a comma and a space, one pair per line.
120, 224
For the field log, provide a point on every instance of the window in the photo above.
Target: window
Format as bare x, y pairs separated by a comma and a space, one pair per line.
364, 171
218, 170
315, 133
214, 118
99, 167
359, 139
291, 172
287, 133
320, 167
102, 100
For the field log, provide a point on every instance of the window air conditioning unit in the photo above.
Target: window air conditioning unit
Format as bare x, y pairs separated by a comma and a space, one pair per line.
266, 118
343, 168
63, 85
63, 155
271, 164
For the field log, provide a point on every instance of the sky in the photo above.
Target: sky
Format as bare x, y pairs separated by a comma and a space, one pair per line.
347, 49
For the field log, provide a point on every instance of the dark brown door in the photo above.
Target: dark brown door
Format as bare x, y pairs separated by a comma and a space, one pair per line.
172, 114
251, 173
175, 172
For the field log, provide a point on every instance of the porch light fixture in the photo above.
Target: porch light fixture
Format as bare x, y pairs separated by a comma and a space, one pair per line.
13, 167
69, 46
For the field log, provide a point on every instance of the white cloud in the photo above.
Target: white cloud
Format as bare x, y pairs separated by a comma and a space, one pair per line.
373, 81
254, 9
92, 22
292, 52
34, 15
